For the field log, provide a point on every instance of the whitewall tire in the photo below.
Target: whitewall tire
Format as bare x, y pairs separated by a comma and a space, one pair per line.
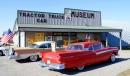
33, 58
80, 68
112, 58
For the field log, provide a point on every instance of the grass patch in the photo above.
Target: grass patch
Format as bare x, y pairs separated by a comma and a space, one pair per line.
125, 73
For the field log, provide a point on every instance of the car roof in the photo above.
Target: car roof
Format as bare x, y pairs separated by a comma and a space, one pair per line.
86, 44
42, 42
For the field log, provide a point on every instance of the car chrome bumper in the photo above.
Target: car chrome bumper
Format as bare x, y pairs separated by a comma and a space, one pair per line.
57, 66
6, 52
118, 55
52, 66
42, 64
12, 57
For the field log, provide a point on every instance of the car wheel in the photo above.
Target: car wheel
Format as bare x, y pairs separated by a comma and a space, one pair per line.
1, 53
33, 58
80, 67
112, 58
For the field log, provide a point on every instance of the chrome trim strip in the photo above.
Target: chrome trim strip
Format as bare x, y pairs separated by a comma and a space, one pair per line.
105, 51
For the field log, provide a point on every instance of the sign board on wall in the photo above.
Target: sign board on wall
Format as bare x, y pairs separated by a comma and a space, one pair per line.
31, 40
39, 36
69, 17
64, 34
59, 37
83, 17
48, 38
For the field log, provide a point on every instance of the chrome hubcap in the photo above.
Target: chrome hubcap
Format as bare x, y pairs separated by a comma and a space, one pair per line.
33, 57
112, 57
81, 68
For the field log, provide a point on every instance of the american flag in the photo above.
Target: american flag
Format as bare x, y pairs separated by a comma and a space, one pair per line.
68, 15
7, 36
88, 36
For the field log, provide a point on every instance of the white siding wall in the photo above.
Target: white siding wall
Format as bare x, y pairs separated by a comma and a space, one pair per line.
77, 19
22, 39
15, 39
16, 36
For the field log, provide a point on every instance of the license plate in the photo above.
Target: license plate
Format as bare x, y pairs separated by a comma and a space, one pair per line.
48, 61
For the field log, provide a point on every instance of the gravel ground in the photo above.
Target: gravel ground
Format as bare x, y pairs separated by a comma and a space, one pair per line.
26, 68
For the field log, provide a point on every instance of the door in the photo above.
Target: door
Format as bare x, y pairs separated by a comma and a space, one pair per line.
100, 52
48, 38
91, 55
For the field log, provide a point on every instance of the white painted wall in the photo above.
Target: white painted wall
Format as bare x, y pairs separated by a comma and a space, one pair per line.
22, 39
16, 35
15, 39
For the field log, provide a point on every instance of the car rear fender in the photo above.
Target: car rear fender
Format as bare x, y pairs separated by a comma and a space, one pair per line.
73, 56
114, 50
81, 63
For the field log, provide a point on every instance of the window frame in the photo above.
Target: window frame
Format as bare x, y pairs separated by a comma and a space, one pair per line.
90, 46
44, 45
75, 44
99, 46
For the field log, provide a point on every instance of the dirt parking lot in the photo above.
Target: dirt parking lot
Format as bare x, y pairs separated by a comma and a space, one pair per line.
27, 68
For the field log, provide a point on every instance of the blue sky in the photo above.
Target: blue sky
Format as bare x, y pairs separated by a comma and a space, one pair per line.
117, 10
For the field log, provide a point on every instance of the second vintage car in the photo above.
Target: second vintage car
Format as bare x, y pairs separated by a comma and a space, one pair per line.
78, 55
31, 52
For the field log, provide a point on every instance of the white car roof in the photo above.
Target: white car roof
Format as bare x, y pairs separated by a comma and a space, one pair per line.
42, 42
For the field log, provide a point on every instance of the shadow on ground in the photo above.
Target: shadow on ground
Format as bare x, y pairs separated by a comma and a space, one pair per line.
25, 61
91, 67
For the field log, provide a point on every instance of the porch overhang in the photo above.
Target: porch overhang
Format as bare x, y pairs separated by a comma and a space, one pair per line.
65, 28
68, 30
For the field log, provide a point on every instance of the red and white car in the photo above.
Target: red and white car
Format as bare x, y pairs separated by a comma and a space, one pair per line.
32, 52
78, 55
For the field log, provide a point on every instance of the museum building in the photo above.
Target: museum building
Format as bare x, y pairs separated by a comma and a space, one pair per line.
72, 26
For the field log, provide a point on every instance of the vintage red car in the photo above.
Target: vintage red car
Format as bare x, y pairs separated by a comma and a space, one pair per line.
78, 55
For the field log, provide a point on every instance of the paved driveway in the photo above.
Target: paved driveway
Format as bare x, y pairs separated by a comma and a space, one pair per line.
26, 68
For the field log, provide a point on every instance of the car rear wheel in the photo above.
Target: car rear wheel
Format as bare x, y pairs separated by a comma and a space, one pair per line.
112, 58
1, 53
33, 58
80, 67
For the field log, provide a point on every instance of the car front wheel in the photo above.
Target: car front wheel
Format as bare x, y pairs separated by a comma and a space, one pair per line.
112, 58
33, 58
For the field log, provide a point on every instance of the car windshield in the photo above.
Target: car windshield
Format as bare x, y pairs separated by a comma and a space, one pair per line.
74, 47
33, 46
